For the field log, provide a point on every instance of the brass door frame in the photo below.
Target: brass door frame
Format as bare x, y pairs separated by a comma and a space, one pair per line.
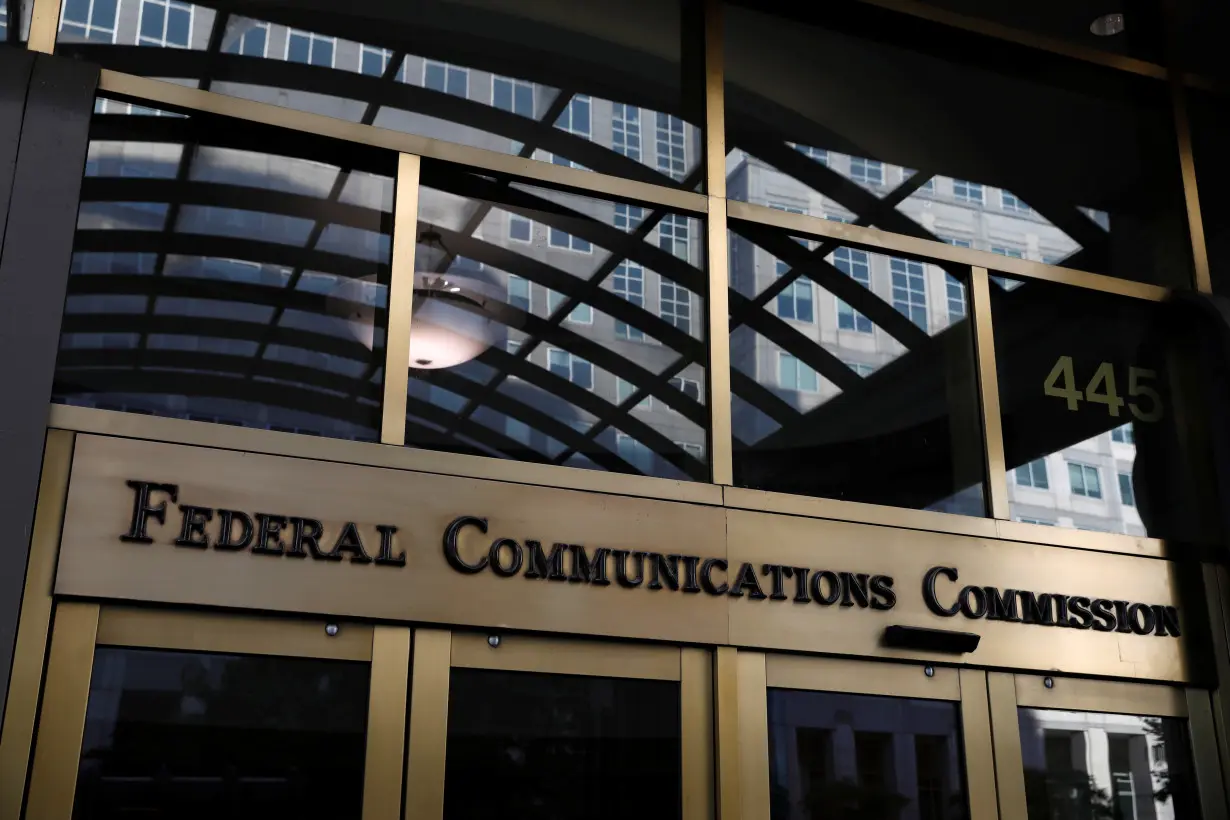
438, 651
1009, 692
80, 627
743, 679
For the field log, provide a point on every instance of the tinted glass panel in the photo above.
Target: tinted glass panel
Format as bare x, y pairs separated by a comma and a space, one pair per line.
1090, 766
186, 735
852, 374
861, 756
597, 87
228, 272
1053, 161
525, 745
1089, 393
557, 328
1210, 132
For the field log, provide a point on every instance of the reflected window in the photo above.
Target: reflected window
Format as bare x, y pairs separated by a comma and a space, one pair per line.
1126, 494
310, 48
1123, 434
1084, 480
1033, 475
248, 40
956, 298
795, 302
1010, 202
875, 757
629, 282
165, 23
213, 280
963, 191
92, 20
866, 171
910, 290
1085, 766
854, 264
449, 79
794, 375
515, 96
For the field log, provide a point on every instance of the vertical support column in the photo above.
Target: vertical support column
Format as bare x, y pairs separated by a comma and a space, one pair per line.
753, 736
696, 703
726, 718
1191, 196
401, 301
61, 724
976, 740
988, 392
1204, 754
44, 24
427, 749
718, 321
1006, 742
34, 264
386, 723
17, 731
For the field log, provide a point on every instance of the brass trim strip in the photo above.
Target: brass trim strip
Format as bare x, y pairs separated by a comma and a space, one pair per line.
34, 624
861, 677
753, 736
383, 767
426, 753
696, 729
1006, 740
885, 242
978, 745
61, 723
727, 766
1191, 197
227, 437
158, 91
1209, 781
401, 302
1041, 42
232, 633
715, 100
721, 447
44, 26
1114, 697
555, 656
988, 393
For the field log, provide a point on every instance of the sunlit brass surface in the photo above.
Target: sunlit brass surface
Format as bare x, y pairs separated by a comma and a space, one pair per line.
727, 752
61, 724
988, 394
427, 748
1115, 697
753, 735
721, 439
861, 677
696, 730
401, 302
1006, 740
526, 653
29, 652
44, 23
383, 765
977, 746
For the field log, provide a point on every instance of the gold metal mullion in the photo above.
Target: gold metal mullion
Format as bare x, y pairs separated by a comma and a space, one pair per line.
427, 749
753, 735
978, 745
401, 301
720, 435
1006, 743
44, 24
61, 724
988, 393
727, 751
1187, 164
696, 729
30, 650
386, 723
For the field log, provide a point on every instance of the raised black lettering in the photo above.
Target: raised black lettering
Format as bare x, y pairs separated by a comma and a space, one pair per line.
1036, 609
1001, 606
973, 602
817, 587
538, 565
350, 541
1122, 624
776, 572
1081, 617
1104, 617
745, 579
928, 590
192, 527
269, 529
800, 584
854, 589
882, 593
621, 568
706, 576
1141, 618
1061, 610
495, 553
142, 512
386, 557
690, 563
663, 568
226, 529
307, 532
452, 553
585, 571
1169, 621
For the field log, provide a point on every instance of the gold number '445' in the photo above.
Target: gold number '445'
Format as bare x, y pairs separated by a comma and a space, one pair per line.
1104, 376
1051, 387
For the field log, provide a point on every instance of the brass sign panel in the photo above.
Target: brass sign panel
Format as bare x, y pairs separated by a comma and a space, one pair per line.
177, 524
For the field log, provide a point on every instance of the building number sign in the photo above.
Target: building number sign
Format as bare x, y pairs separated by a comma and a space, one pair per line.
1143, 400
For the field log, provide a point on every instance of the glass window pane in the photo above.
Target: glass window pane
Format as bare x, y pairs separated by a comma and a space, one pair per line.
874, 757
531, 745
498, 69
563, 302
1086, 765
1093, 379
874, 400
196, 735
838, 115
256, 277
1210, 120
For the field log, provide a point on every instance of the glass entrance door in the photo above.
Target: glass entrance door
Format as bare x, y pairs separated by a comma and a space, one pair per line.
173, 714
